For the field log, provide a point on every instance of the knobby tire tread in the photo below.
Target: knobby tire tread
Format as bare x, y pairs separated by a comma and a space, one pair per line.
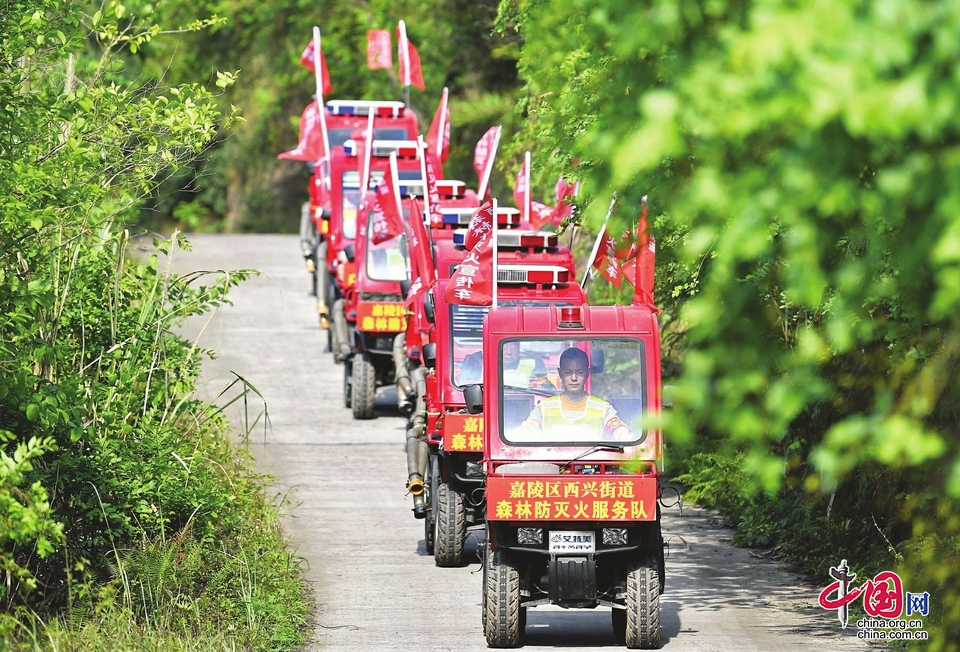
364, 387
451, 530
643, 606
502, 592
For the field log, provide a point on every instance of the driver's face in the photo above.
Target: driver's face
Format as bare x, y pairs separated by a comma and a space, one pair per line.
511, 352
573, 377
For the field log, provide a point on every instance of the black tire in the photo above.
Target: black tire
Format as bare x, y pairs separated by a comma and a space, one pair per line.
501, 624
364, 387
347, 383
431, 486
643, 606
451, 531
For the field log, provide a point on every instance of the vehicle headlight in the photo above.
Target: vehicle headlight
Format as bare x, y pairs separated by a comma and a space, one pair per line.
529, 536
614, 536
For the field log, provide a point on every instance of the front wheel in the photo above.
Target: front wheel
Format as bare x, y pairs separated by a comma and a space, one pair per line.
643, 606
431, 484
364, 387
502, 613
451, 531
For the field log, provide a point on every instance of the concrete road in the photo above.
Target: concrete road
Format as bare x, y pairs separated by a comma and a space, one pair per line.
373, 584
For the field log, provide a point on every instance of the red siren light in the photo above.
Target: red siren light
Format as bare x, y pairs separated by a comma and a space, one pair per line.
571, 317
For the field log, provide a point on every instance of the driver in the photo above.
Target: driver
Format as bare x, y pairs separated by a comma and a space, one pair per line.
518, 371
574, 406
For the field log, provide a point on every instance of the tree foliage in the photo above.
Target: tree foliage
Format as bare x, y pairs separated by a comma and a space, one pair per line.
244, 186
802, 159
104, 450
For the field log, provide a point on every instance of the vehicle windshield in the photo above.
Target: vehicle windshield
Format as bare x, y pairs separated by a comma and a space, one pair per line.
467, 341
386, 261
577, 392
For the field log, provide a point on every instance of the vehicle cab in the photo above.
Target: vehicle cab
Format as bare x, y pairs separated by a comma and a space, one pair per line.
572, 468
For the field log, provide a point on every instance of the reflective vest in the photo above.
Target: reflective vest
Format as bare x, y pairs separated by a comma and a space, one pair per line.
520, 377
587, 417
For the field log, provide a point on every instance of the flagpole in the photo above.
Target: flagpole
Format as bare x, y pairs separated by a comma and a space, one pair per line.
365, 179
405, 59
496, 262
526, 197
482, 190
422, 152
596, 244
396, 182
318, 75
443, 120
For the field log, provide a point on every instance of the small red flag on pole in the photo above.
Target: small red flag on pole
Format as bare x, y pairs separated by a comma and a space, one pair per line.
379, 52
438, 137
387, 212
483, 157
409, 60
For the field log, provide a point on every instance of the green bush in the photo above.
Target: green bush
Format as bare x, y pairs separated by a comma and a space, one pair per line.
125, 507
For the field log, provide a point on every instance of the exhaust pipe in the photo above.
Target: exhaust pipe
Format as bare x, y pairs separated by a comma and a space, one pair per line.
341, 345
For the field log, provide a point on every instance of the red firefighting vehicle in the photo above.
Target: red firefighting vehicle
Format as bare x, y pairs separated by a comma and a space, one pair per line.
369, 281
571, 473
334, 187
533, 270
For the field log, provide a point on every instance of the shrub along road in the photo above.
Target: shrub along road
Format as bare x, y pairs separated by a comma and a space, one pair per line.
373, 584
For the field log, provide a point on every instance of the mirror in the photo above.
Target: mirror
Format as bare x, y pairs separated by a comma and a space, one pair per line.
348, 252
473, 397
429, 307
429, 352
405, 287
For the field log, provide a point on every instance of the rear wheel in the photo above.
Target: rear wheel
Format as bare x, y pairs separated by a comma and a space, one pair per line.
364, 387
643, 606
502, 612
347, 383
451, 530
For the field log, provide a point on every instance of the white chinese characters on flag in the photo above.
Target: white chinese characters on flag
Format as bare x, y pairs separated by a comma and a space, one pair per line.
606, 261
481, 224
424, 273
472, 282
433, 194
379, 52
387, 220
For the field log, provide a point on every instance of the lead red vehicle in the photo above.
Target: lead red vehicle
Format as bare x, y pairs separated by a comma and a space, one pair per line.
571, 482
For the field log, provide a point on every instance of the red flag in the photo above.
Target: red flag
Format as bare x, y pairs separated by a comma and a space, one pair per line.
408, 59
481, 224
307, 61
540, 214
423, 258
606, 260
483, 158
387, 214
433, 194
472, 282
379, 52
310, 144
564, 209
639, 270
438, 137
